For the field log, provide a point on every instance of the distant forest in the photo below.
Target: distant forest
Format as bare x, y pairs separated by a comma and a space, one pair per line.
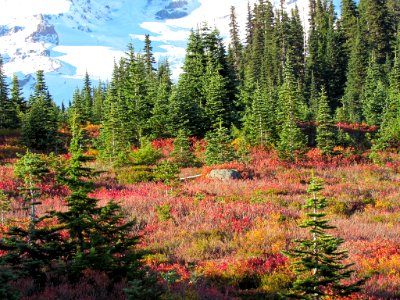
335, 86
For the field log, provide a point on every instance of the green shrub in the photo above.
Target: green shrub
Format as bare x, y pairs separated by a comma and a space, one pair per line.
164, 212
147, 155
135, 174
166, 172
182, 155
274, 283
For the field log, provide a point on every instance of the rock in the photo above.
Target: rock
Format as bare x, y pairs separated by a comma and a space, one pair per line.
224, 174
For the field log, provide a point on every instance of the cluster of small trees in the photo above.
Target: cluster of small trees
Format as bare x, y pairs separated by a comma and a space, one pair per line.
38, 118
59, 245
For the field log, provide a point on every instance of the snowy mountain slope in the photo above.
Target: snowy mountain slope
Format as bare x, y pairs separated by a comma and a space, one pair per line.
66, 38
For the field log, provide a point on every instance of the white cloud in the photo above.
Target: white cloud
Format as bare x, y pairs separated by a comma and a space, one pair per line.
99, 66
18, 9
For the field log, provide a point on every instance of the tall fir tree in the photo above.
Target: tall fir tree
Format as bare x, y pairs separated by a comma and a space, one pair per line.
376, 30
17, 98
148, 56
40, 123
374, 93
159, 120
215, 95
351, 110
99, 94
235, 45
115, 139
87, 99
348, 22
326, 130
389, 131
8, 111
260, 120
135, 91
291, 139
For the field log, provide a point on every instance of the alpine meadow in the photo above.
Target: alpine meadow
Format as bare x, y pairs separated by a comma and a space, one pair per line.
270, 169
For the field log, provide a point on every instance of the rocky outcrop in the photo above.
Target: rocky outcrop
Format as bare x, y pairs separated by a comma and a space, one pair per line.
44, 33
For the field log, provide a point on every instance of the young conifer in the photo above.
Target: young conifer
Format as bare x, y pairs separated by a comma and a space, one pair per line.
326, 130
318, 260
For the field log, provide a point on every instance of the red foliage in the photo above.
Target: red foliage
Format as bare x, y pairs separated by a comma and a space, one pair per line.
164, 145
92, 130
357, 127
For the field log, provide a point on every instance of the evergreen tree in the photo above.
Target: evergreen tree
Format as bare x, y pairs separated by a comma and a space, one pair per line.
295, 44
100, 239
182, 154
184, 113
40, 89
348, 22
292, 140
17, 99
351, 101
219, 147
249, 24
135, 95
376, 30
389, 131
87, 100
326, 130
318, 260
99, 94
159, 120
40, 123
235, 46
374, 94
187, 100
149, 59
8, 111
257, 43
34, 252
114, 134
215, 95
32, 169
260, 120
77, 108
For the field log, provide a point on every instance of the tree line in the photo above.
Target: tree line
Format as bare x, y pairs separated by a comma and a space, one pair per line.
284, 86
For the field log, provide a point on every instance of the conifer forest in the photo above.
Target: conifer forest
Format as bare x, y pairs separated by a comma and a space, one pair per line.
270, 169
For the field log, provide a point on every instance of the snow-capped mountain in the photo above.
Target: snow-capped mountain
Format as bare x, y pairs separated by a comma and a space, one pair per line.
66, 38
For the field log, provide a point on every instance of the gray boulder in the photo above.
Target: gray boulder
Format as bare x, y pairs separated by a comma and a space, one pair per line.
224, 174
